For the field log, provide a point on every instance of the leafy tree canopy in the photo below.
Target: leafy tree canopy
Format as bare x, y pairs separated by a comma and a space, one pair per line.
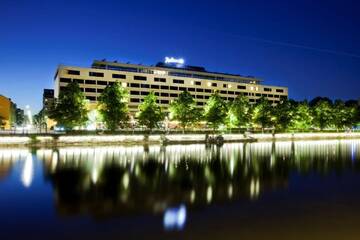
343, 116
316, 100
215, 111
39, 118
150, 114
322, 114
113, 106
19, 116
70, 108
283, 114
302, 117
184, 110
240, 112
263, 114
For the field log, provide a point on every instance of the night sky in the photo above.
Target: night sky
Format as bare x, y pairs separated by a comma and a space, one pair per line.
313, 47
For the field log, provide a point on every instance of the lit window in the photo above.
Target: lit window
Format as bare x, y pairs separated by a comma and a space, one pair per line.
230, 86
209, 84
252, 88
124, 84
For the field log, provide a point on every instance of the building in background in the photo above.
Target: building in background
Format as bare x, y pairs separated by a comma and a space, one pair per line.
166, 79
7, 113
48, 99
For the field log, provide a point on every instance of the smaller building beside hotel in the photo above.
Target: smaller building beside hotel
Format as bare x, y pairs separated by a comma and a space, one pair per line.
7, 113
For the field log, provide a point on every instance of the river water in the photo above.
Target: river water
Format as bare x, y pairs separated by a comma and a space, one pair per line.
268, 190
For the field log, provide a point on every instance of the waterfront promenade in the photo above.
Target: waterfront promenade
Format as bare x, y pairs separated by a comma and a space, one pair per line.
52, 139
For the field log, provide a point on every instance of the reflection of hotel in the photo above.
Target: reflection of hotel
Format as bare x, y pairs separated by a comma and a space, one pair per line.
121, 180
167, 80
109, 181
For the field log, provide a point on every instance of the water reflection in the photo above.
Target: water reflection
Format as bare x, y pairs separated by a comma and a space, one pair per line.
115, 181
175, 218
28, 171
9, 157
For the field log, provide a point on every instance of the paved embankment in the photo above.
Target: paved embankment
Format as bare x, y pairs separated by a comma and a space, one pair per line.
66, 140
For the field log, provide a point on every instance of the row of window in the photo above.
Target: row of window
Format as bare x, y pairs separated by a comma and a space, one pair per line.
95, 74
138, 100
164, 101
178, 74
165, 94
141, 78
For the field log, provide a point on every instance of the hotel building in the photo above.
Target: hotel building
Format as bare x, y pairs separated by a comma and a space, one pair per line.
166, 79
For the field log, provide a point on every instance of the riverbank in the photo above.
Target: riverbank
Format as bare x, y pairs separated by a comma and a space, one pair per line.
56, 140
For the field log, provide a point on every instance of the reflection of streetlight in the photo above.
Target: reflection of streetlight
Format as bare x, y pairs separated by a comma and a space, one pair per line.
28, 171
209, 194
175, 218
230, 191
254, 188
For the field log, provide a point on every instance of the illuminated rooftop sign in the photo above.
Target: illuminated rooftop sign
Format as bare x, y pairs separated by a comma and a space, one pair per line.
179, 61
159, 72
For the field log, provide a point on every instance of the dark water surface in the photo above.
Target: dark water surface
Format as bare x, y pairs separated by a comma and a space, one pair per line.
282, 190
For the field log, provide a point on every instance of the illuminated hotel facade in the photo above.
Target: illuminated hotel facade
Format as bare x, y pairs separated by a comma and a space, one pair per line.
166, 79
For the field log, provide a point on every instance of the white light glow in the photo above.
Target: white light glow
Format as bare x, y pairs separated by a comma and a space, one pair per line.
160, 72
254, 188
28, 171
209, 194
180, 61
230, 191
175, 218
125, 181
192, 196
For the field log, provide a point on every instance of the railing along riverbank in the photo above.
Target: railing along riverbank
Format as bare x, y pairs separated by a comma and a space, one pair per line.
52, 139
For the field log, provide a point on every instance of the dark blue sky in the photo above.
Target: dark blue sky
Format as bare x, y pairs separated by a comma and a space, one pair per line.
313, 47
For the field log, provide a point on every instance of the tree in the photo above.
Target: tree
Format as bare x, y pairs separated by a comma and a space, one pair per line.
184, 110
215, 111
316, 100
283, 114
343, 116
40, 119
70, 110
356, 105
302, 118
19, 116
2, 122
150, 113
263, 113
322, 114
240, 111
113, 106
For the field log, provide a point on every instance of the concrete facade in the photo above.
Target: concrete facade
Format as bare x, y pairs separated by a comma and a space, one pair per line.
166, 81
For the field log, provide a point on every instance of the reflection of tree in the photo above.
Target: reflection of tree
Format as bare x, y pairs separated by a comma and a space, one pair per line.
5, 168
152, 180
